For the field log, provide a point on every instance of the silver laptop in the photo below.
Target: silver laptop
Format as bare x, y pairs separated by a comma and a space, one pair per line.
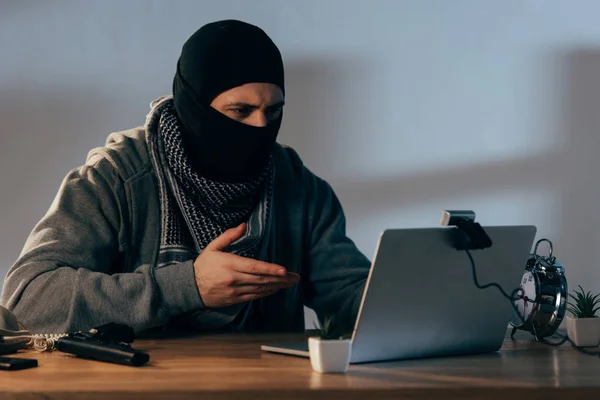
420, 299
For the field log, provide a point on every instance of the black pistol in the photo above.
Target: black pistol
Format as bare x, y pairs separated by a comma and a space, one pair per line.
110, 343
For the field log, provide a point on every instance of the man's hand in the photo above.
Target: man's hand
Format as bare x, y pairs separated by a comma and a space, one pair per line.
224, 279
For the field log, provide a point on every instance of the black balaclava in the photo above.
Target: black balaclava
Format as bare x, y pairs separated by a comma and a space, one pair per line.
218, 57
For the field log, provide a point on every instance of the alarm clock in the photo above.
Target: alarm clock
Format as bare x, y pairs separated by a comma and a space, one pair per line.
543, 297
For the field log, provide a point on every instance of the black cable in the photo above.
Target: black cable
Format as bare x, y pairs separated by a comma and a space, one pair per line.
517, 294
492, 284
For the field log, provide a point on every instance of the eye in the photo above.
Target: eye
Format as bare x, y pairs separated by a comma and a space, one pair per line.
274, 112
241, 111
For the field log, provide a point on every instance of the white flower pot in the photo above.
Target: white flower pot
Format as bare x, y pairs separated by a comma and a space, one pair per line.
584, 332
329, 356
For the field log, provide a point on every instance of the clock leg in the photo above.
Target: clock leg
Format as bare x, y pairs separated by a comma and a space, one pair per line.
535, 335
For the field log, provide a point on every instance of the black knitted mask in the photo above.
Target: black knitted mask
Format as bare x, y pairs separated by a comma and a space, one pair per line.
218, 57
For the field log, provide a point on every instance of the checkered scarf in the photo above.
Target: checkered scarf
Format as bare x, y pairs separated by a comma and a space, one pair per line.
196, 210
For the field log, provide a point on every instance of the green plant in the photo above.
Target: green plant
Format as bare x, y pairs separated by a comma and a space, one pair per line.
334, 329
585, 304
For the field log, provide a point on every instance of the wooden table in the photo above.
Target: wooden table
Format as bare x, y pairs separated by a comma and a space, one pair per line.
233, 367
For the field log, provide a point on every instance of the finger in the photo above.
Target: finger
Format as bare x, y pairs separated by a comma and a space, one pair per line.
259, 289
226, 238
255, 296
255, 267
242, 279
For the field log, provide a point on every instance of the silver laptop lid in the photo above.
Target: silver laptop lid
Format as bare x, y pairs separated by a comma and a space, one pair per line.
421, 300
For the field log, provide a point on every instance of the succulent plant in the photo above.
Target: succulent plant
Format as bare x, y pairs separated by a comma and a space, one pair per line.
585, 304
333, 328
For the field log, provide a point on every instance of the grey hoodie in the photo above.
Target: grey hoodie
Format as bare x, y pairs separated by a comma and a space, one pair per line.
92, 258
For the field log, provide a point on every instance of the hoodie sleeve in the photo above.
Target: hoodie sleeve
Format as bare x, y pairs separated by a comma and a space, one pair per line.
65, 279
337, 269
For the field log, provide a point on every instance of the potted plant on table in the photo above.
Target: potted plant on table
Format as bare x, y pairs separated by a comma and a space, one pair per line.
583, 327
330, 351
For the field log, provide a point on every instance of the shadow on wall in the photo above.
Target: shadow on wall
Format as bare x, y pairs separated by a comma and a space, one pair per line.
391, 194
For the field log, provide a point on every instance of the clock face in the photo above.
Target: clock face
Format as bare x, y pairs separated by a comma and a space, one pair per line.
525, 303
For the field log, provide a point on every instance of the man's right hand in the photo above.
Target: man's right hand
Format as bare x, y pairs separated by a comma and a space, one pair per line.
224, 279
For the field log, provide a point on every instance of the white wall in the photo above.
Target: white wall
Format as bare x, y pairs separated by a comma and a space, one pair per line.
405, 107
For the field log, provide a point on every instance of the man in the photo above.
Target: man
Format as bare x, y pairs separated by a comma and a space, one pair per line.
198, 219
